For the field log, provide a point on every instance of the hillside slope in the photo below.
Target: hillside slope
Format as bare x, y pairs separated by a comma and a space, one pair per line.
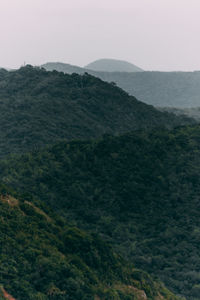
39, 108
140, 191
173, 89
42, 257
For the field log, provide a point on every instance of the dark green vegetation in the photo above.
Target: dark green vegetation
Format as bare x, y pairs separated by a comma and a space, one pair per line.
39, 108
173, 89
140, 191
112, 65
43, 257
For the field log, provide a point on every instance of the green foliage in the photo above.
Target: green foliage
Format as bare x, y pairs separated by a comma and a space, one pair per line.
41, 259
39, 108
140, 191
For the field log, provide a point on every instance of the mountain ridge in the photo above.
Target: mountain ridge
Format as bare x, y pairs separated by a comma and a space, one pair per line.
67, 107
172, 89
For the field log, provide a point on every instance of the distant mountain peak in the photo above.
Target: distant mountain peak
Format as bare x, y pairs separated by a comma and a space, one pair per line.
112, 65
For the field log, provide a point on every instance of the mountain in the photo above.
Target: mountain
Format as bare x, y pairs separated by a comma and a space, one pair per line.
139, 191
39, 108
161, 89
43, 257
112, 65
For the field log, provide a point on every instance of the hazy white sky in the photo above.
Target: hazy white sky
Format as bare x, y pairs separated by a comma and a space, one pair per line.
153, 34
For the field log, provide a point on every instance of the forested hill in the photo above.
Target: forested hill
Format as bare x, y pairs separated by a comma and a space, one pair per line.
140, 191
164, 89
43, 257
39, 108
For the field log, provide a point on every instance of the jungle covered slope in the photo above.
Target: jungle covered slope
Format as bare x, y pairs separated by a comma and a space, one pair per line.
39, 108
140, 191
42, 257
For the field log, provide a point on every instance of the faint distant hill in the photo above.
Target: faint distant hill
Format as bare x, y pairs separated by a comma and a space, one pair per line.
112, 65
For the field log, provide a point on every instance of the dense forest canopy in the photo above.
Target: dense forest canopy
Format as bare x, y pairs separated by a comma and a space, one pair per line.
140, 191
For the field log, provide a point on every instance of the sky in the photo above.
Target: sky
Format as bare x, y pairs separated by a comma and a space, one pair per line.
152, 34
